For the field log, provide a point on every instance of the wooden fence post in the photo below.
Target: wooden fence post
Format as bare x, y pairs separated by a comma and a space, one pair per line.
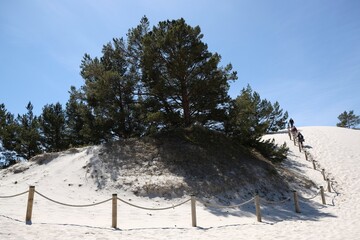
306, 155
328, 185
30, 204
300, 146
257, 208
296, 202
193, 210
314, 165
114, 211
323, 173
322, 195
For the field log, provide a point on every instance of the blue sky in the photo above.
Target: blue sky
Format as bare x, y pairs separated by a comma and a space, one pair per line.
303, 54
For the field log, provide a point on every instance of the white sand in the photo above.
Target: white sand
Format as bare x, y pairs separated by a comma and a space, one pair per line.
65, 180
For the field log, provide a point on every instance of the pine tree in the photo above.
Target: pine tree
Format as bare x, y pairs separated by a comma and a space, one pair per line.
182, 80
276, 119
29, 135
247, 115
250, 117
3, 113
52, 123
9, 130
109, 90
80, 123
348, 119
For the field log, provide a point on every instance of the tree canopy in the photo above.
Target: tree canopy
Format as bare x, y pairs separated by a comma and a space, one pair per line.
250, 117
182, 79
348, 119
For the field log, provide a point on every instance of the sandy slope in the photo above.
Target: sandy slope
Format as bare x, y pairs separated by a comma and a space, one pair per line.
64, 179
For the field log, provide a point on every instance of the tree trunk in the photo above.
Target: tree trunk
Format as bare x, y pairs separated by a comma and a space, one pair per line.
185, 103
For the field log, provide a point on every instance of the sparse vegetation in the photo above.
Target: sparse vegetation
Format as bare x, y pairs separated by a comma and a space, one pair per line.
185, 161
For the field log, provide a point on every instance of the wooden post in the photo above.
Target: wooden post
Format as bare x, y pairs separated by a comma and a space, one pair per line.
294, 141
306, 155
314, 165
322, 195
299, 143
323, 173
257, 208
328, 185
296, 202
193, 210
114, 211
30, 204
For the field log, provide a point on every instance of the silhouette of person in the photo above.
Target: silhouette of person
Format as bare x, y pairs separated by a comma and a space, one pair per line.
291, 121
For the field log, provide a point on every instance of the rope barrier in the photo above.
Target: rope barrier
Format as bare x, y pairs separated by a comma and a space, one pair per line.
230, 206
332, 187
305, 198
310, 158
72, 205
153, 209
11, 196
275, 202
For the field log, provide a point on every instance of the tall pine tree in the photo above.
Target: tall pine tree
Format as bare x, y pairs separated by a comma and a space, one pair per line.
182, 79
9, 129
109, 90
250, 117
52, 124
29, 134
348, 119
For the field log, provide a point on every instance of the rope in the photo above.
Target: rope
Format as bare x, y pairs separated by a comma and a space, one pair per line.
14, 195
230, 206
273, 202
71, 205
310, 197
332, 187
154, 209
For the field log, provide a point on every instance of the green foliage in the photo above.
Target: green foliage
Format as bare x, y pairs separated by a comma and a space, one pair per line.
81, 126
348, 119
181, 77
272, 151
52, 124
111, 83
243, 117
9, 129
250, 117
29, 135
276, 119
3, 113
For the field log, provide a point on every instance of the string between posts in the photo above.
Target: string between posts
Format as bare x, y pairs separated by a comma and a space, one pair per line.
153, 209
310, 197
15, 195
275, 202
72, 205
230, 206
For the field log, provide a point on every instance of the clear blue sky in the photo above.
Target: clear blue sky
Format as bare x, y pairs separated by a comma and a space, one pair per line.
304, 54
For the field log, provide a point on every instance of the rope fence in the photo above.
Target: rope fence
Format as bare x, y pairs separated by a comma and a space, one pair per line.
15, 195
316, 166
275, 202
72, 205
154, 209
207, 204
256, 200
310, 198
